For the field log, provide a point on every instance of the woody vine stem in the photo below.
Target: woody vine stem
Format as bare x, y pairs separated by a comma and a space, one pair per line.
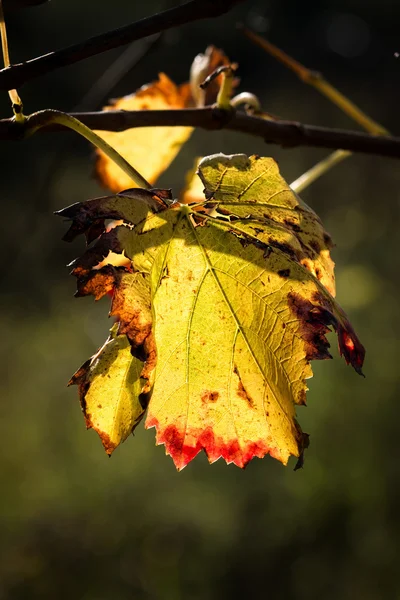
284, 133
48, 117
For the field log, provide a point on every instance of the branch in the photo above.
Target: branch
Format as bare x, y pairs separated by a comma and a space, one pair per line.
16, 75
288, 134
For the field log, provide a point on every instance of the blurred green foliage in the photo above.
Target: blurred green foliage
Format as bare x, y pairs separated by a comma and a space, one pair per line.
75, 524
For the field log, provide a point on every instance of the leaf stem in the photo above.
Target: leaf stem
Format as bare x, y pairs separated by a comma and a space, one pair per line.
48, 117
225, 91
319, 169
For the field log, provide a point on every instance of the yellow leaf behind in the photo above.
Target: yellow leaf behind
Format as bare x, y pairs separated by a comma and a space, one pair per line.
149, 149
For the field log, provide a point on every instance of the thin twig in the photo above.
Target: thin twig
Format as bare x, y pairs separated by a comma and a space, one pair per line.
307, 178
129, 58
318, 81
288, 134
194, 10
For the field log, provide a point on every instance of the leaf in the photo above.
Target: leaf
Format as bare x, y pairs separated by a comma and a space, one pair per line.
109, 389
149, 149
278, 216
237, 314
152, 149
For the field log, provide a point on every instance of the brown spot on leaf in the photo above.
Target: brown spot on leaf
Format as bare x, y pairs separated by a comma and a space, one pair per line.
131, 306
246, 240
315, 322
208, 396
284, 273
108, 445
292, 225
198, 219
150, 350
97, 283
284, 248
319, 298
315, 246
307, 264
302, 397
221, 210
242, 391
313, 326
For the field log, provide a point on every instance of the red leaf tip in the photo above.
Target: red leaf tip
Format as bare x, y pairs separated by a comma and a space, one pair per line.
177, 445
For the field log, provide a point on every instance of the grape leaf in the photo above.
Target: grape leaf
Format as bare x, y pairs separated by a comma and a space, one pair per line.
237, 313
152, 149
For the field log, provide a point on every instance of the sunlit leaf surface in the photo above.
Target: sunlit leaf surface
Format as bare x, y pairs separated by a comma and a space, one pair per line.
238, 307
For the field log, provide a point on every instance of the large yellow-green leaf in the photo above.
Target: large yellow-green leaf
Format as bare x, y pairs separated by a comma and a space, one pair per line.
236, 313
233, 359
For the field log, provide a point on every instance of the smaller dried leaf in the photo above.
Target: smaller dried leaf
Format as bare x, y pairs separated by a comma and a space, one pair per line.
109, 389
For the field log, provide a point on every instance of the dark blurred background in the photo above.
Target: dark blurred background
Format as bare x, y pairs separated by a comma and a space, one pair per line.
75, 524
